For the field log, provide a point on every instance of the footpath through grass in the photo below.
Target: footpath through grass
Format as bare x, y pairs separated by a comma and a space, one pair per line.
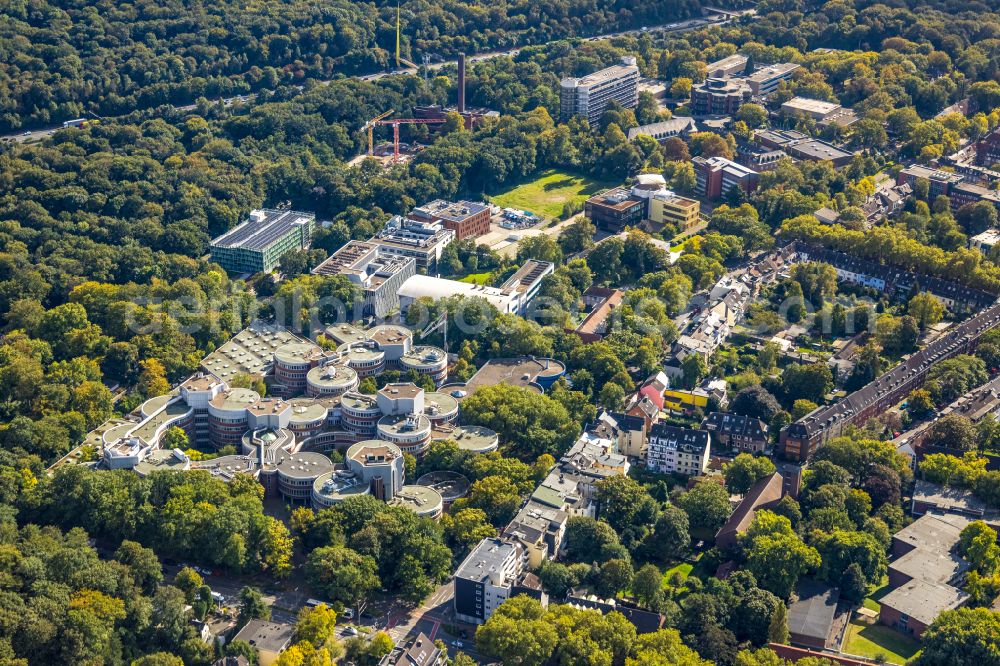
550, 191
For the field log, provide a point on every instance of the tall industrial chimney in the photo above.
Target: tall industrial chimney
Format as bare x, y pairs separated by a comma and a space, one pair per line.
461, 83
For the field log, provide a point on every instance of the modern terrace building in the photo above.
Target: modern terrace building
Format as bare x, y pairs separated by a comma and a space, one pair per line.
424, 242
589, 96
378, 275
257, 245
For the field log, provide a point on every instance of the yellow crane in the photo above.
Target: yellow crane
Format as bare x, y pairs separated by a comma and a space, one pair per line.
370, 126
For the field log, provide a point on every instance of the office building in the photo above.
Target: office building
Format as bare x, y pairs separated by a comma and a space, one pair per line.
487, 578
677, 450
733, 65
719, 97
589, 96
940, 181
257, 245
422, 241
614, 210
824, 113
378, 276
985, 241
467, 219
669, 208
803, 147
717, 175
766, 80
526, 281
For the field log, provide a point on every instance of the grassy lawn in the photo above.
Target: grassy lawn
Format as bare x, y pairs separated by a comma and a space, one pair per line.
549, 192
872, 640
684, 569
871, 602
683, 245
477, 278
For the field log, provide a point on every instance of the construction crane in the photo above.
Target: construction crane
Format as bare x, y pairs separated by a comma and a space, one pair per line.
370, 127
396, 122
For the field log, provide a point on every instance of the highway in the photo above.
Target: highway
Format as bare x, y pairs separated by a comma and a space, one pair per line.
679, 26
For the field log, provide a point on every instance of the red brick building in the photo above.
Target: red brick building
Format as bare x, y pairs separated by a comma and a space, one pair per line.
467, 219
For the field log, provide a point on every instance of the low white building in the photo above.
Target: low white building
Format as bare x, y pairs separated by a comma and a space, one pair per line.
985, 241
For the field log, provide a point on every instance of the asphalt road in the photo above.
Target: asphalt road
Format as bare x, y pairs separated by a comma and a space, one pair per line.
679, 26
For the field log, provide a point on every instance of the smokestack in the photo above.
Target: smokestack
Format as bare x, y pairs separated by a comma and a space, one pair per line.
461, 83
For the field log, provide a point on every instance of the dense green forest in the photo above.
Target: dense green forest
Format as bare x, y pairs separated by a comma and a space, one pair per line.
62, 59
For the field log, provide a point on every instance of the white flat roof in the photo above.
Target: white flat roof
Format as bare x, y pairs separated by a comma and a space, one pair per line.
426, 286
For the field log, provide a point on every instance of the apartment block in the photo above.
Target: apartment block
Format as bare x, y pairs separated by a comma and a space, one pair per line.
589, 96
487, 578
258, 243
717, 175
677, 450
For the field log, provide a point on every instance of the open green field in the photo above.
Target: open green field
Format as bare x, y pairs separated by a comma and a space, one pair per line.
549, 192
874, 640
477, 278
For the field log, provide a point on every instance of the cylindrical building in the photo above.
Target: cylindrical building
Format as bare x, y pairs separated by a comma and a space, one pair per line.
410, 432
331, 379
359, 413
228, 416
427, 360
292, 362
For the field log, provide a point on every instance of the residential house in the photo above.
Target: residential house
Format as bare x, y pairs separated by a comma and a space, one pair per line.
677, 450
735, 431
